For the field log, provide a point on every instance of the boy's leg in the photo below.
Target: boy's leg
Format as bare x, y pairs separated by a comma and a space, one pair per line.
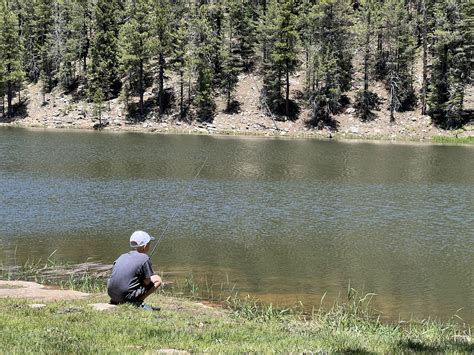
148, 292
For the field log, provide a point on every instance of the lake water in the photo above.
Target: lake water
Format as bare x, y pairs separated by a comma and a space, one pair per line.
285, 220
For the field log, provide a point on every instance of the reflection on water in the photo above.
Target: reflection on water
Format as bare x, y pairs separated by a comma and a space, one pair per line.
286, 220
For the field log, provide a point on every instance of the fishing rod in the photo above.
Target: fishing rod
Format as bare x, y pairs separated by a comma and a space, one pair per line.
175, 212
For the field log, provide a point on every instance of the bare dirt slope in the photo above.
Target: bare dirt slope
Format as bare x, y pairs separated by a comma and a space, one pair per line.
62, 111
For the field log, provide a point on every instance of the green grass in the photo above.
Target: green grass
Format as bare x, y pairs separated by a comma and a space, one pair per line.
447, 139
73, 327
238, 324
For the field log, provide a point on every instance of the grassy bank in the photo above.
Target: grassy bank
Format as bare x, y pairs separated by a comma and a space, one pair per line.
447, 139
239, 324
73, 327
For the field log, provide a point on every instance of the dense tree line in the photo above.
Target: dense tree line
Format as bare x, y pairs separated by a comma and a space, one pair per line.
101, 49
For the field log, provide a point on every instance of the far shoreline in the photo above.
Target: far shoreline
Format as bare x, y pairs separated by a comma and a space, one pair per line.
201, 129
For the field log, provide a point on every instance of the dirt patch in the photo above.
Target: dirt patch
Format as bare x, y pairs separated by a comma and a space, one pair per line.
35, 291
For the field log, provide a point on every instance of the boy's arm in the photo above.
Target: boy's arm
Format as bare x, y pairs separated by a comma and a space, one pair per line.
153, 278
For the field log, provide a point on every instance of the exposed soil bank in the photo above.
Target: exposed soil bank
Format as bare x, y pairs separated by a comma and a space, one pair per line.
62, 111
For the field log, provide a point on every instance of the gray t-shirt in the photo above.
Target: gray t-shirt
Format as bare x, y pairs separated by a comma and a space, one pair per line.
129, 271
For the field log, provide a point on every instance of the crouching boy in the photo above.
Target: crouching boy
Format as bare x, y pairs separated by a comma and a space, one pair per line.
133, 278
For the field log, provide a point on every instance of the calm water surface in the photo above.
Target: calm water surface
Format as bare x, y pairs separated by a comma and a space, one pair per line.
286, 220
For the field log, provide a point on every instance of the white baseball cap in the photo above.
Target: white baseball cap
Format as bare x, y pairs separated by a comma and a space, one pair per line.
140, 239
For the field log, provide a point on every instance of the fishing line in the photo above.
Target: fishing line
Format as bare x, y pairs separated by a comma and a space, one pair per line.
175, 212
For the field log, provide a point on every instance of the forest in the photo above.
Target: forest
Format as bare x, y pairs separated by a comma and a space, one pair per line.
98, 50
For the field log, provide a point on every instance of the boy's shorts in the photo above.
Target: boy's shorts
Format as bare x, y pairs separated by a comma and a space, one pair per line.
135, 295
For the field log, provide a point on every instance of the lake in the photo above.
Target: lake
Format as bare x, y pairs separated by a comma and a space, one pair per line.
286, 220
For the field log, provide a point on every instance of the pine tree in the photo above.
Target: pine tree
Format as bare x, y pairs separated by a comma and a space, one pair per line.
365, 99
401, 57
76, 17
424, 43
43, 43
215, 18
61, 17
163, 22
11, 72
103, 73
231, 56
136, 48
330, 59
281, 61
203, 64
450, 65
180, 59
26, 15
241, 16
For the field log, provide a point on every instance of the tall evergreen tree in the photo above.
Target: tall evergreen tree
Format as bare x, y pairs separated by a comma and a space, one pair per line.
450, 65
401, 57
136, 47
61, 18
11, 72
103, 73
330, 58
231, 57
162, 22
282, 41
368, 15
203, 64
242, 22
181, 59
43, 42
215, 18
76, 18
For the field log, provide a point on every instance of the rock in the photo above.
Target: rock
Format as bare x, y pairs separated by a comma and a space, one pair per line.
178, 123
117, 122
33, 290
172, 351
145, 125
350, 110
354, 130
413, 119
99, 126
37, 305
102, 306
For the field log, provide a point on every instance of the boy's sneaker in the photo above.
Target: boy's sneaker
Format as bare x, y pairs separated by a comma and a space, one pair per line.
148, 307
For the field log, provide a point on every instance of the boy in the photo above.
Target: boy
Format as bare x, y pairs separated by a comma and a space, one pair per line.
133, 279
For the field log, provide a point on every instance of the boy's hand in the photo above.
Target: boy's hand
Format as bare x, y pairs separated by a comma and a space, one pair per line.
156, 280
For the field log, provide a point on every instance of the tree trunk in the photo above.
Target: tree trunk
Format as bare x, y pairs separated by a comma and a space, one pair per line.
392, 104
365, 110
9, 98
161, 95
140, 83
425, 61
181, 96
287, 94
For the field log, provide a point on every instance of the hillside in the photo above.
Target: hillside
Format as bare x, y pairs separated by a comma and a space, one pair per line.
63, 111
